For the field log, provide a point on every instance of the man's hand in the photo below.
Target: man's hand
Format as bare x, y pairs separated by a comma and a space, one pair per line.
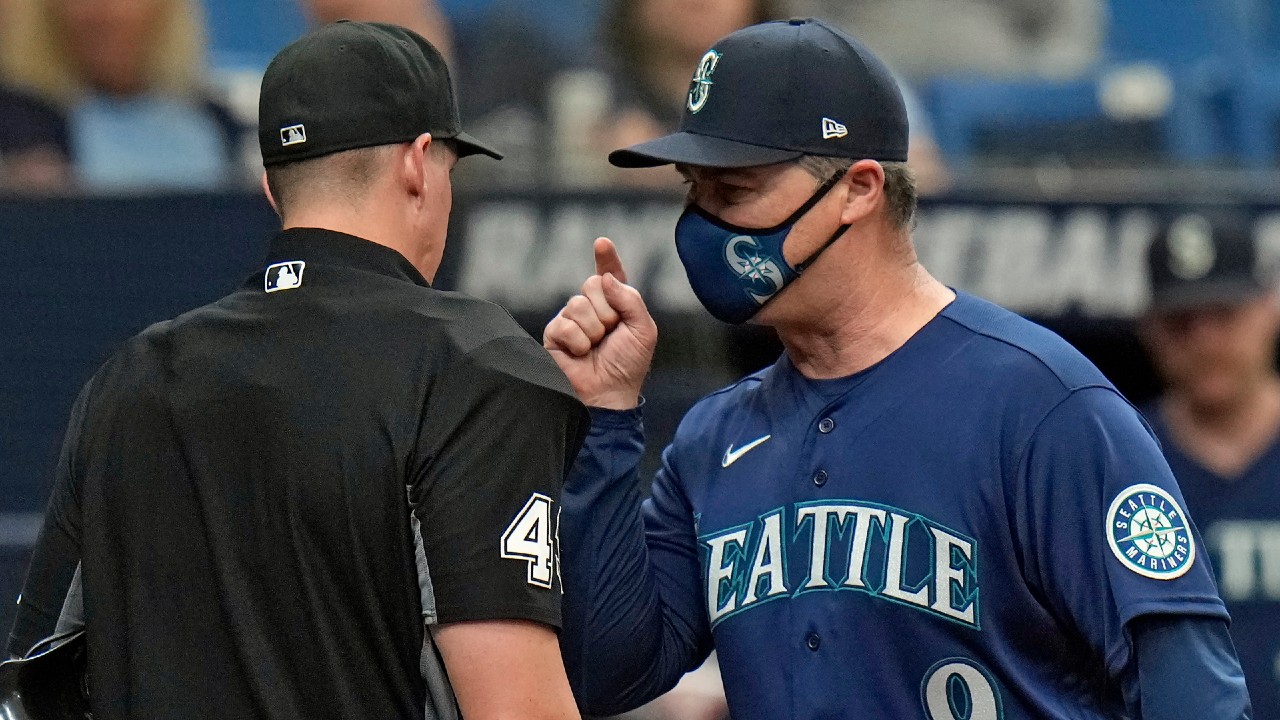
603, 338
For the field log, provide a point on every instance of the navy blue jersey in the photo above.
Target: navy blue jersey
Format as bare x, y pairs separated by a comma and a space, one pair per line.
1240, 520
964, 530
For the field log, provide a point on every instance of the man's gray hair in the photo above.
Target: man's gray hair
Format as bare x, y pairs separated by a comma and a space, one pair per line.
899, 184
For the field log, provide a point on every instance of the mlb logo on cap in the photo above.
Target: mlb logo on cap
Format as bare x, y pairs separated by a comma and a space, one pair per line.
293, 135
283, 275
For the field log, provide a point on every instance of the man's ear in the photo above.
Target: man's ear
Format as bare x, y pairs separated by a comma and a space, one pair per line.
865, 180
413, 165
266, 190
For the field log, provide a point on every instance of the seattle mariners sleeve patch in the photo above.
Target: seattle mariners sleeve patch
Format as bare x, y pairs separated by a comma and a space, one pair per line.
1149, 533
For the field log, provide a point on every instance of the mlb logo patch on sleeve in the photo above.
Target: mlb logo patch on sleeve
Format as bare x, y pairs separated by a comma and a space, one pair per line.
283, 275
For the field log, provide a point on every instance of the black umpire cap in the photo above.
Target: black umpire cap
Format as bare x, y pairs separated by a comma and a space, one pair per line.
779, 90
351, 85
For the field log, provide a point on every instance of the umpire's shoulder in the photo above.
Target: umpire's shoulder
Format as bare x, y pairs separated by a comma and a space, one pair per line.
482, 333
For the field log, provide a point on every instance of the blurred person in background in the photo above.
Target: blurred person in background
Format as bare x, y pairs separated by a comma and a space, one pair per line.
652, 46
1211, 332
34, 150
421, 16
129, 76
1001, 38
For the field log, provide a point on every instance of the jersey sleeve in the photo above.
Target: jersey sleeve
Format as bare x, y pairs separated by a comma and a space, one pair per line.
1170, 649
500, 429
49, 594
634, 615
1104, 537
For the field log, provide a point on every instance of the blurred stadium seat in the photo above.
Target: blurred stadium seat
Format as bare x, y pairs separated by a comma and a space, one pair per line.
1191, 59
247, 33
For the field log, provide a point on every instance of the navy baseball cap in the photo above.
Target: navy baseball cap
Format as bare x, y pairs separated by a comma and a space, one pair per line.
350, 85
1203, 258
779, 90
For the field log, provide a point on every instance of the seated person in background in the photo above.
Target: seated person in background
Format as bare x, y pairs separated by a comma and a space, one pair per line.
33, 140
656, 45
653, 48
1211, 332
129, 76
33, 144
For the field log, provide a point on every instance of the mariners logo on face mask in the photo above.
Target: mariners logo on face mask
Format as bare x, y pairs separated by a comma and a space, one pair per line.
762, 276
735, 270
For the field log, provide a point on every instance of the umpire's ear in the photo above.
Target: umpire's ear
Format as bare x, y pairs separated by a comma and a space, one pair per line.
266, 190
413, 166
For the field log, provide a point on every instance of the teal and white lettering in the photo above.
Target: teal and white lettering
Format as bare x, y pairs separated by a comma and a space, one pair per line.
862, 519
719, 572
819, 515
765, 559
950, 578
893, 573
768, 563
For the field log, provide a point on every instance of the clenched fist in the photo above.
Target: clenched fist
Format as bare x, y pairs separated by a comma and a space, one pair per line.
603, 338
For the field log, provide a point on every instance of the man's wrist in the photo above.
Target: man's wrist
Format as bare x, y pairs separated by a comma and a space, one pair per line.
614, 401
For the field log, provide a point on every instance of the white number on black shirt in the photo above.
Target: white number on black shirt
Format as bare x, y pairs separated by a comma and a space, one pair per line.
529, 537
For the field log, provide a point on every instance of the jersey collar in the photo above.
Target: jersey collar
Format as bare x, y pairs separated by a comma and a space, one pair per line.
329, 247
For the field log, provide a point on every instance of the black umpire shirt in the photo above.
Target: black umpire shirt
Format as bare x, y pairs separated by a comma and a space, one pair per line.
261, 504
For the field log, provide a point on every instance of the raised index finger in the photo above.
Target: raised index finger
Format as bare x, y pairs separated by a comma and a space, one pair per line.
607, 260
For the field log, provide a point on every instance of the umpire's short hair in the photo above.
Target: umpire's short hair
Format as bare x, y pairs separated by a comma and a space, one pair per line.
347, 174
899, 184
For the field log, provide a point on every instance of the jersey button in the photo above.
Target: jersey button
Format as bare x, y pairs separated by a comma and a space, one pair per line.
826, 425
820, 478
813, 641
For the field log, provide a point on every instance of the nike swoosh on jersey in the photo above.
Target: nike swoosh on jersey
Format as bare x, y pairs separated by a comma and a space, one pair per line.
731, 456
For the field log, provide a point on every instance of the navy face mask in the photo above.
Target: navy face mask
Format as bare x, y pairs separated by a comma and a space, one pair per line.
734, 270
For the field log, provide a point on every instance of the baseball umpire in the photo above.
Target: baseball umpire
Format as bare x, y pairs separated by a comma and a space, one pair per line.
928, 507
334, 492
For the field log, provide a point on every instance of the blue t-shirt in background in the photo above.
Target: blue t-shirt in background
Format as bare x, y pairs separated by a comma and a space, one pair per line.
1240, 520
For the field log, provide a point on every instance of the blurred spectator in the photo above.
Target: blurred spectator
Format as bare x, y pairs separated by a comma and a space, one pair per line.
34, 154
1211, 332
33, 141
507, 59
653, 47
1055, 39
421, 16
129, 76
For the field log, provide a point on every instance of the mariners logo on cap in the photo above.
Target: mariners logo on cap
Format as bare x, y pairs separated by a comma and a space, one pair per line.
284, 275
1149, 533
700, 87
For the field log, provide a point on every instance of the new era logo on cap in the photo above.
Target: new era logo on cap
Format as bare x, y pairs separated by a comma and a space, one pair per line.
832, 129
293, 135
